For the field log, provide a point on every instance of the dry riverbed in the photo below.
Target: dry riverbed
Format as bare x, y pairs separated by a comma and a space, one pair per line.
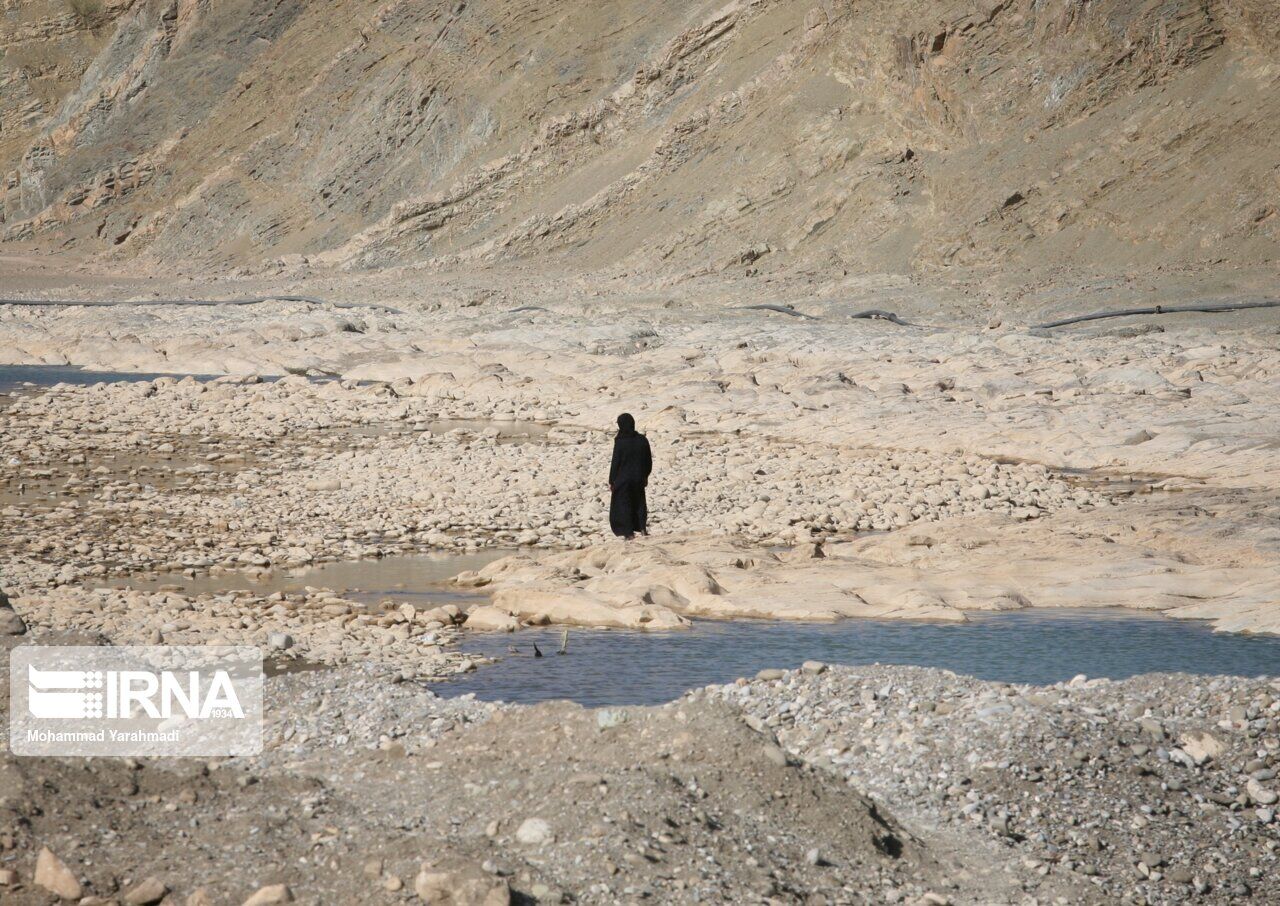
806, 470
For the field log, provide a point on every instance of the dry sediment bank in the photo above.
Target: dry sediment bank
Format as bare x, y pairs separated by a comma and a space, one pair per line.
758, 447
1154, 790
934, 571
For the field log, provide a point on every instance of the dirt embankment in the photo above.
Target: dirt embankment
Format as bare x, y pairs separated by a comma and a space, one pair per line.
551, 804
1158, 790
643, 137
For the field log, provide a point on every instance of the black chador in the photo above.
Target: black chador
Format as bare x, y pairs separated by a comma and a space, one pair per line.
628, 475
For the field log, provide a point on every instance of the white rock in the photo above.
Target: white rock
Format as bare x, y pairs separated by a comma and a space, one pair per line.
534, 832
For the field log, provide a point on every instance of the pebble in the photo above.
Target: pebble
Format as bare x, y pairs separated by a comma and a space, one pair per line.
151, 890
534, 832
270, 895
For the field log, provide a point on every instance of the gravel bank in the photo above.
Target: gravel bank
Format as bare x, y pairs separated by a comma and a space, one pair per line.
1157, 789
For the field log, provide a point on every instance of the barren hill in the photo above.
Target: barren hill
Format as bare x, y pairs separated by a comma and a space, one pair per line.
651, 137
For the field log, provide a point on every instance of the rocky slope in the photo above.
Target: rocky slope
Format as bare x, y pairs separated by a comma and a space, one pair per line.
627, 137
45, 48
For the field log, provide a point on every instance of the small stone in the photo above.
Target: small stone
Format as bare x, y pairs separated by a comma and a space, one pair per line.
8, 877
10, 622
1151, 860
199, 897
769, 674
1152, 729
53, 875
606, 718
1260, 794
279, 641
468, 887
534, 832
392, 883
151, 890
813, 668
814, 856
270, 895
432, 886
776, 755
1202, 747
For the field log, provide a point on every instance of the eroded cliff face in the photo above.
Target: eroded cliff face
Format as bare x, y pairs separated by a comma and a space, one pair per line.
647, 137
45, 47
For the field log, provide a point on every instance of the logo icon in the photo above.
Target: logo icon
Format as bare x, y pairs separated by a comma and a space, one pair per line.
144, 700
56, 694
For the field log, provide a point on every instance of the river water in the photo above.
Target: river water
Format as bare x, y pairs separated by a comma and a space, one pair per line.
1026, 646
17, 377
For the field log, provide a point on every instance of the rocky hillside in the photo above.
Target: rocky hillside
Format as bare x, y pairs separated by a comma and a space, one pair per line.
640, 136
45, 47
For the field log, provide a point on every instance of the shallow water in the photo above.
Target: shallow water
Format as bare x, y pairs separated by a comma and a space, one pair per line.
420, 579
1029, 646
15, 377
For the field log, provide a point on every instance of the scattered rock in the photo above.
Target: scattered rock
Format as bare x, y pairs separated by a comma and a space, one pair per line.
465, 887
270, 895
10, 622
1202, 747
491, 619
54, 876
776, 755
1260, 794
534, 832
151, 890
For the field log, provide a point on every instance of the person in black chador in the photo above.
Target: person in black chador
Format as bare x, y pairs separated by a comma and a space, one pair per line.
628, 475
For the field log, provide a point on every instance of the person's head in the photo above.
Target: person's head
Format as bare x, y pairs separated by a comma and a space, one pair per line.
626, 424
